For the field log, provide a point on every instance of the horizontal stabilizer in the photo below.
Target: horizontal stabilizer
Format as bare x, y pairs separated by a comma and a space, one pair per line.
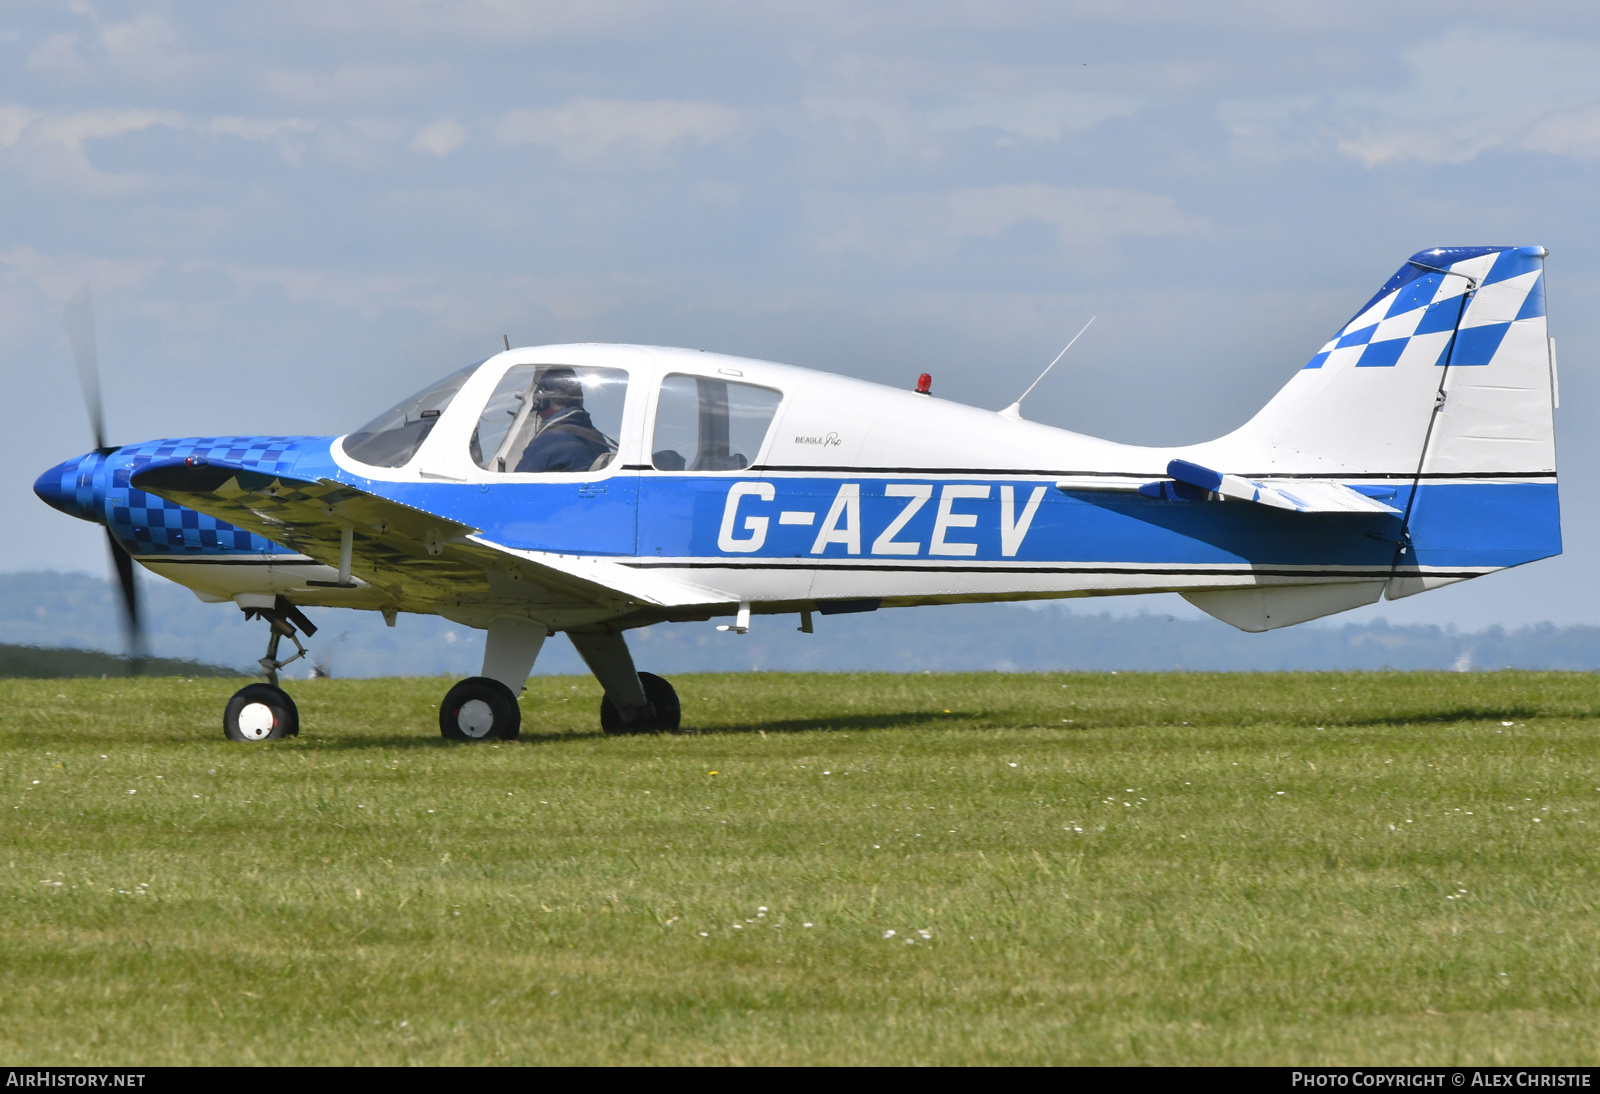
1192, 482
1300, 495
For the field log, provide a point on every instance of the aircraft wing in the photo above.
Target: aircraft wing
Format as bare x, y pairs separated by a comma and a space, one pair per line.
408, 552
1192, 482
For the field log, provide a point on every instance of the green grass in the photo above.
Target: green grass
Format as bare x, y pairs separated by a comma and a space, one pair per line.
1191, 868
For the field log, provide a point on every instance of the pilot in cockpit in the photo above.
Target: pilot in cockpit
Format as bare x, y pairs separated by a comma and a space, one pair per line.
566, 439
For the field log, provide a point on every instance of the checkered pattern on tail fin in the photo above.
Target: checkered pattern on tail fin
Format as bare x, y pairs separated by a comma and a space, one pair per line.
1465, 325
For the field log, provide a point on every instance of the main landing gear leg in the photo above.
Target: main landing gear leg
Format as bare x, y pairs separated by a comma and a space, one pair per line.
635, 702
264, 712
484, 707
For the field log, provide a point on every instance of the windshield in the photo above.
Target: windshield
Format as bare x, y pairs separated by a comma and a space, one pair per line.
393, 437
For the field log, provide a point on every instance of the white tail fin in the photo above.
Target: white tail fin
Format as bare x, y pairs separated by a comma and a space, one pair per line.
1447, 370
1442, 388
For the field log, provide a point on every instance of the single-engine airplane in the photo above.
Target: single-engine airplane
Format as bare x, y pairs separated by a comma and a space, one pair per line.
591, 489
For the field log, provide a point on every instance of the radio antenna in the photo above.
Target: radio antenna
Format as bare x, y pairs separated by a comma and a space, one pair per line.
1015, 409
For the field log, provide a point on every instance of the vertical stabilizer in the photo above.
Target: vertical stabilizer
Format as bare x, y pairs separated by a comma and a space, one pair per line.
1442, 387
1465, 321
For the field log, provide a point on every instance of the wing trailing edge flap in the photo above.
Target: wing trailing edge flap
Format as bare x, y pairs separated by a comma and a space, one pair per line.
1192, 482
401, 548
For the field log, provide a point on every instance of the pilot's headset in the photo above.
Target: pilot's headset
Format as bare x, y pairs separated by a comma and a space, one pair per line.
557, 387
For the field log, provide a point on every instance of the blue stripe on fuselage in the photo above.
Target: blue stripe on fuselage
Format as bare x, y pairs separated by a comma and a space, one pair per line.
1455, 525
1484, 524
688, 517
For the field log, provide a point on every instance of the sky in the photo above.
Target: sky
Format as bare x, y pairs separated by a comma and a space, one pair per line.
294, 213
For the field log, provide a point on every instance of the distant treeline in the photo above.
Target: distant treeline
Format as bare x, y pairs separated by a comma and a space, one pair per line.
42, 611
40, 663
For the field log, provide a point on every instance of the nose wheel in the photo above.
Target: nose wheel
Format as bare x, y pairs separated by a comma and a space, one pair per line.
260, 712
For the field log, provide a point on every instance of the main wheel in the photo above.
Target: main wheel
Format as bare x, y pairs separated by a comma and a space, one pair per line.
480, 709
662, 715
260, 712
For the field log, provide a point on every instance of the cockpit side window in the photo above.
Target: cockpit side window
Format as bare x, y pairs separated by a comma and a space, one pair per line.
551, 418
704, 424
393, 437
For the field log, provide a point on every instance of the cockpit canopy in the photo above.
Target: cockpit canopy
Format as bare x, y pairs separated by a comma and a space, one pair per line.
539, 418
556, 417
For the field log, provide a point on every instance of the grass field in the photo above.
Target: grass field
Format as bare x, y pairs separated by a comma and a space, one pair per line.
1077, 868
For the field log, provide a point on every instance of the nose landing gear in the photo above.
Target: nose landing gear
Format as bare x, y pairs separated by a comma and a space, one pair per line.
282, 617
264, 712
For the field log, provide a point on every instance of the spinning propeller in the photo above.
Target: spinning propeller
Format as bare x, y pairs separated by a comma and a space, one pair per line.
80, 332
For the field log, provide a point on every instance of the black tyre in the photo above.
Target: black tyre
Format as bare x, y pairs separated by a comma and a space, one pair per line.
662, 716
480, 709
260, 712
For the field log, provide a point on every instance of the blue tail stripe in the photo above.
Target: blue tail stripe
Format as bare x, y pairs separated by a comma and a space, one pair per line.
1513, 263
1439, 317
1383, 354
1358, 338
1476, 345
1533, 306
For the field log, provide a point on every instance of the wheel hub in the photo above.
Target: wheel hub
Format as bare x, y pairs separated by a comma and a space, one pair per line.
256, 721
475, 718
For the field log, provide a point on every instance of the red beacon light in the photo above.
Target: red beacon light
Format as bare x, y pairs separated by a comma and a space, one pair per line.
925, 384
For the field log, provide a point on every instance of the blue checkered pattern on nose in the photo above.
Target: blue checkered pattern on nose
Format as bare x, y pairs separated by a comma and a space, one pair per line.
149, 525
1419, 300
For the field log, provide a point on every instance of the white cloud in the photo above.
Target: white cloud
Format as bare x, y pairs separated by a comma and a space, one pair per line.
49, 148
1275, 127
441, 138
1043, 117
848, 132
490, 22
287, 133
1574, 133
909, 228
57, 277
1468, 92
379, 130
1079, 214
589, 129
351, 83
261, 129
462, 302
58, 54
866, 124
147, 49
13, 120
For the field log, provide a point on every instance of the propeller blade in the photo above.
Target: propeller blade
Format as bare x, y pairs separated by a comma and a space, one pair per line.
133, 625
80, 332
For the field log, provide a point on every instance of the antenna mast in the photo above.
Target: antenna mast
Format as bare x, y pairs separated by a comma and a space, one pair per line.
1015, 409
